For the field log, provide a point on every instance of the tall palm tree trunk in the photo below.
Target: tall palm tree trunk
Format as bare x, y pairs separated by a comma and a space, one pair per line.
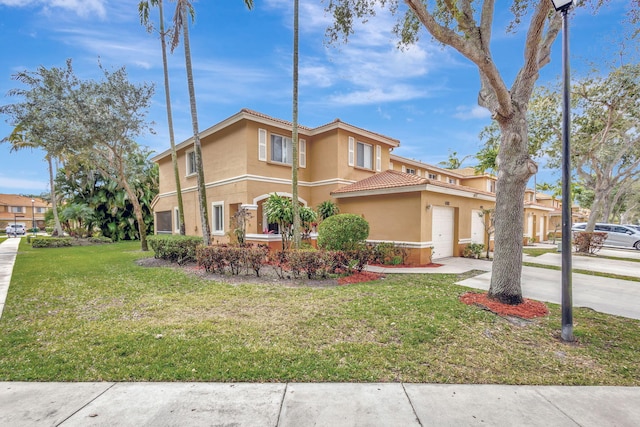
294, 136
174, 157
197, 148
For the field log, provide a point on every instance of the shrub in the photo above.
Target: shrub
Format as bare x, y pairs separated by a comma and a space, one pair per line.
473, 250
50, 242
589, 242
313, 263
180, 249
255, 258
382, 253
212, 258
342, 232
100, 239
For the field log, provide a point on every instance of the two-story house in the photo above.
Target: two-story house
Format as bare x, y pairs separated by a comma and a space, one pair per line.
247, 157
27, 211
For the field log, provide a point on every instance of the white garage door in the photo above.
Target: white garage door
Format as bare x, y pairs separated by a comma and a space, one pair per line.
477, 227
442, 231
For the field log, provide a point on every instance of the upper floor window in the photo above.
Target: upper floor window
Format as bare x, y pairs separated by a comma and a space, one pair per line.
17, 209
191, 162
433, 176
451, 180
411, 171
281, 149
491, 186
41, 210
364, 155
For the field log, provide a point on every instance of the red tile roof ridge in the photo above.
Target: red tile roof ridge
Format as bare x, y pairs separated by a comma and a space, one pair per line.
386, 179
265, 116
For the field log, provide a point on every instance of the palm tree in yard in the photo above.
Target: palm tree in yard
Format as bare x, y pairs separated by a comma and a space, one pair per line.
294, 135
143, 10
184, 9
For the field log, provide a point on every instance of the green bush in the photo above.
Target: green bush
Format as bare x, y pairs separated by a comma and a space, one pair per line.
175, 248
473, 250
342, 232
100, 239
50, 242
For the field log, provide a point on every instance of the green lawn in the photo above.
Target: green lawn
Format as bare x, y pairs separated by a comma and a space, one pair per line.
92, 314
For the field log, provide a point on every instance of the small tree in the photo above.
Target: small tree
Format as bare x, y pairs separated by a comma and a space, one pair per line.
239, 224
487, 221
327, 209
279, 210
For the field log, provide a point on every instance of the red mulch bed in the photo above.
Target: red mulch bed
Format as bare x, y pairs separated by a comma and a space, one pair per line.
363, 276
527, 310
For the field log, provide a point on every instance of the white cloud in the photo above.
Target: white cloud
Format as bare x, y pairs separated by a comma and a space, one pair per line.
84, 8
12, 185
397, 92
465, 112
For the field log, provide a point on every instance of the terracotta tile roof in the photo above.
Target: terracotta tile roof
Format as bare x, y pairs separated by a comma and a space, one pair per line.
386, 179
264, 116
17, 200
394, 179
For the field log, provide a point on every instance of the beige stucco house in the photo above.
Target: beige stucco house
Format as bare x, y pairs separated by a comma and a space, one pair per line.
27, 211
247, 157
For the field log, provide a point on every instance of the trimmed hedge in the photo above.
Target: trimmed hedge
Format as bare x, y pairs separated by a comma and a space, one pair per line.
50, 242
342, 232
175, 248
219, 258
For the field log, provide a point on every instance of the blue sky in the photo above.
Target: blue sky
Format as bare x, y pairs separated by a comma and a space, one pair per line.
424, 96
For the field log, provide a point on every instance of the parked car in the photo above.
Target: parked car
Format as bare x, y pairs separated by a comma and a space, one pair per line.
617, 235
15, 229
635, 227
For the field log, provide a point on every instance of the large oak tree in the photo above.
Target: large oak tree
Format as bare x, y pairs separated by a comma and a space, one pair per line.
467, 26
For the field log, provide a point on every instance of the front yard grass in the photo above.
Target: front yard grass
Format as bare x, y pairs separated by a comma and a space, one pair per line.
92, 314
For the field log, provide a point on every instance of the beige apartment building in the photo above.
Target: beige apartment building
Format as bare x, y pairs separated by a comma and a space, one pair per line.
433, 212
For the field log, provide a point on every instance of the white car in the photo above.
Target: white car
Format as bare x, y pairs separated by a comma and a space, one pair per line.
15, 229
617, 235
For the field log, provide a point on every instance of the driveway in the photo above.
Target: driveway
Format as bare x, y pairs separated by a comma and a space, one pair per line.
605, 295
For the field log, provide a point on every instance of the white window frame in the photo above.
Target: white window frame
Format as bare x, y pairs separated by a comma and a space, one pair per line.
17, 209
190, 163
360, 159
412, 171
352, 151
262, 145
176, 219
378, 158
302, 153
286, 149
215, 208
432, 176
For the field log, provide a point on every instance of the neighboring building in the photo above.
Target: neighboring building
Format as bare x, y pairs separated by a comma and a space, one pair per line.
247, 157
22, 210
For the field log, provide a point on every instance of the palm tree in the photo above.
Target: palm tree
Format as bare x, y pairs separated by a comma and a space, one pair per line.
143, 10
181, 23
294, 136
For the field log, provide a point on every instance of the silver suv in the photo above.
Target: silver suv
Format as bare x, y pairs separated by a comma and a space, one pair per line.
15, 229
617, 235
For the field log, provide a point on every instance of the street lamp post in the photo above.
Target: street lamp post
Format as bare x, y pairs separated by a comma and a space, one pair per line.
563, 7
33, 217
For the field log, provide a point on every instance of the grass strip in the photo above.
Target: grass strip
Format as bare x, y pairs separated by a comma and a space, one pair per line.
92, 314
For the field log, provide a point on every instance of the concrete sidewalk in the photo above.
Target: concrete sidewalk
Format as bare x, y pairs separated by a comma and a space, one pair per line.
314, 404
8, 253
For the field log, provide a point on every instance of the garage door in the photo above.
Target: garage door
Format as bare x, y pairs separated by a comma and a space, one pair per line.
477, 227
442, 232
